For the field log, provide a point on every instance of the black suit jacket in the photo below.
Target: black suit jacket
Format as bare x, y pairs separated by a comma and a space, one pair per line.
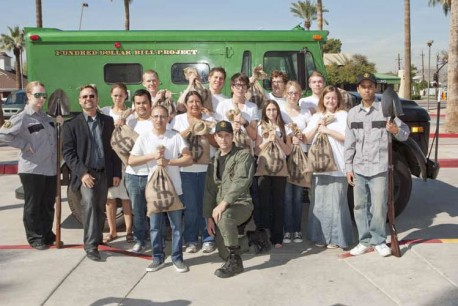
76, 149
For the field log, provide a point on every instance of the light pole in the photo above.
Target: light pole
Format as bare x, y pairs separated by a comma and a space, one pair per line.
429, 43
83, 5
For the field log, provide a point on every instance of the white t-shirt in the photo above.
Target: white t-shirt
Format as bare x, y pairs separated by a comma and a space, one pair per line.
179, 124
174, 145
108, 110
302, 119
249, 111
310, 102
280, 101
216, 99
339, 125
141, 127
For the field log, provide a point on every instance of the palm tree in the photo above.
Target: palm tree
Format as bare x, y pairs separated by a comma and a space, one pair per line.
305, 10
38, 14
407, 51
319, 13
126, 14
14, 42
451, 111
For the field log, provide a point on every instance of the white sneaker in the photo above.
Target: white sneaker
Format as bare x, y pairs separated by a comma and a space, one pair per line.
383, 250
180, 267
137, 247
208, 247
359, 250
297, 237
191, 248
287, 238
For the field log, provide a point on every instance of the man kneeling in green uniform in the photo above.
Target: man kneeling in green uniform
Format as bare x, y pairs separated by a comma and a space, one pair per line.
227, 200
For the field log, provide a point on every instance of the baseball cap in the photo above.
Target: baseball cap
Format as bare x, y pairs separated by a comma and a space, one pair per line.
366, 76
224, 126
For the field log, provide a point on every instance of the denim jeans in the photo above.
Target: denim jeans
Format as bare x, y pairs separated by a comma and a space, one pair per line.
193, 184
293, 207
156, 229
370, 198
135, 185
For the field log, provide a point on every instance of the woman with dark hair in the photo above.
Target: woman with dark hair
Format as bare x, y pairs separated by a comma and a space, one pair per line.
329, 221
272, 188
193, 177
119, 96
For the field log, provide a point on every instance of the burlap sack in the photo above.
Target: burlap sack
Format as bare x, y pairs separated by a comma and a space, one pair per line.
198, 143
297, 165
242, 140
160, 193
320, 156
162, 99
255, 93
123, 139
197, 86
272, 161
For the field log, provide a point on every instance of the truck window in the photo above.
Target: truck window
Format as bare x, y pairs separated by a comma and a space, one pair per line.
247, 66
128, 73
177, 74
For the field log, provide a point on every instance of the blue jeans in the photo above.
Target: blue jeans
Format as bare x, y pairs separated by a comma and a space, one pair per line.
135, 185
370, 198
293, 207
193, 184
156, 225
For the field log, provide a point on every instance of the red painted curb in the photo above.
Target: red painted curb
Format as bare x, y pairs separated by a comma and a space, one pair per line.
8, 168
435, 115
448, 163
445, 135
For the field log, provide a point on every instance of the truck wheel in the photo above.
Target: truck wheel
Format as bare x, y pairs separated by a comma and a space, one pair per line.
74, 201
402, 184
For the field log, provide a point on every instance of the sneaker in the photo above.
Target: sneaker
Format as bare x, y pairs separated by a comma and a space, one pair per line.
359, 250
383, 250
320, 245
208, 247
332, 246
155, 265
138, 247
297, 237
180, 267
287, 238
191, 248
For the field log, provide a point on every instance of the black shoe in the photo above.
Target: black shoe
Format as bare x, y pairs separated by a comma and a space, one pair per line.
93, 255
50, 241
233, 265
39, 246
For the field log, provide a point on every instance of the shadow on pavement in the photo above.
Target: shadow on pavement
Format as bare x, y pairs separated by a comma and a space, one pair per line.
133, 302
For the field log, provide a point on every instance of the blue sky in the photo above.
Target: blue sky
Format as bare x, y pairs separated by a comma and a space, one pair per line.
371, 28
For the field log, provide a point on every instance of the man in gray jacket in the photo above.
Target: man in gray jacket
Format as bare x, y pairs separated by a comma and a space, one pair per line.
227, 200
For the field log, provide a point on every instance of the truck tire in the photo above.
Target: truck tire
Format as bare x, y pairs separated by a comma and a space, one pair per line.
74, 201
402, 186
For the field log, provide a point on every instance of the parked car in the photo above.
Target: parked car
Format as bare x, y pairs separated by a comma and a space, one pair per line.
14, 103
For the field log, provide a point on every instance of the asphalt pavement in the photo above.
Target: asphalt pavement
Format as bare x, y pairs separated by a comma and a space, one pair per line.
298, 274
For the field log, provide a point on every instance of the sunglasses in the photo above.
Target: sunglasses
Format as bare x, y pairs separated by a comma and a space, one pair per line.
39, 95
88, 96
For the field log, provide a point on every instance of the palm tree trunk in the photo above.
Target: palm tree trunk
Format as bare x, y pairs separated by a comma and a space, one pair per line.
126, 15
319, 13
407, 52
451, 111
38, 14
17, 67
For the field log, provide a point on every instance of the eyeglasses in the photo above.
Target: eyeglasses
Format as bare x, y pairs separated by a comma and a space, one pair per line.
88, 96
278, 82
39, 95
292, 93
240, 86
155, 117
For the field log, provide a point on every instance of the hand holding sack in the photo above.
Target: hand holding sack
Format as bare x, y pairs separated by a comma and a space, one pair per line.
164, 98
272, 159
197, 86
255, 93
197, 137
320, 155
123, 138
160, 193
297, 166
241, 138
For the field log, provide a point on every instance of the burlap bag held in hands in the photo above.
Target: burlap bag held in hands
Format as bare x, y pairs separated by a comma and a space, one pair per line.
165, 99
297, 165
241, 138
160, 193
198, 143
272, 161
197, 86
320, 155
123, 138
255, 93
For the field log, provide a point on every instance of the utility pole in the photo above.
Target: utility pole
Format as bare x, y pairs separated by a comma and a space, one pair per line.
422, 65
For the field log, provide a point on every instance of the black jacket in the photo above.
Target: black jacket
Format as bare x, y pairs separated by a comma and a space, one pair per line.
76, 149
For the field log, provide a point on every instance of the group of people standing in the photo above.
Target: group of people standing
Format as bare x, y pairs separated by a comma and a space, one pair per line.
223, 193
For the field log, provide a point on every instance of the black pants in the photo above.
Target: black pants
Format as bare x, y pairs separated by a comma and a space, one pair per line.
271, 205
39, 196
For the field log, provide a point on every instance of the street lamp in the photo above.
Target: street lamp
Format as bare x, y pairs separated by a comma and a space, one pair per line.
429, 43
83, 5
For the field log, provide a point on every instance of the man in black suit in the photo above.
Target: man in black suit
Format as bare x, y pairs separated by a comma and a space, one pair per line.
93, 163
